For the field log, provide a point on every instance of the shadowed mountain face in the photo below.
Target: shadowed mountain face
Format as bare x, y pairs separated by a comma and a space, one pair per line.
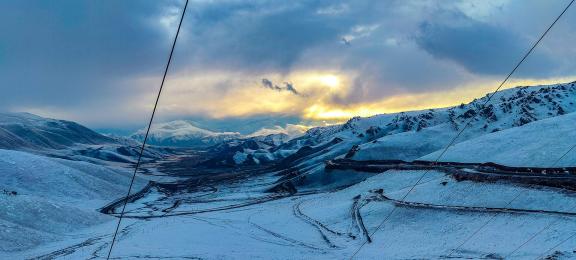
24, 131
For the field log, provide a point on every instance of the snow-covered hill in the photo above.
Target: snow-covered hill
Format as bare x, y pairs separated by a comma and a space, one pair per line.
540, 143
24, 131
182, 133
68, 140
43, 199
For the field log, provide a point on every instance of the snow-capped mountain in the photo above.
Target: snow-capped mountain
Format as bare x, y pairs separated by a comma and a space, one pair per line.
404, 136
423, 133
182, 133
411, 135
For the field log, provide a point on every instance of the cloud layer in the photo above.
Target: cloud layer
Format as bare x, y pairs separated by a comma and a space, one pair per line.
100, 62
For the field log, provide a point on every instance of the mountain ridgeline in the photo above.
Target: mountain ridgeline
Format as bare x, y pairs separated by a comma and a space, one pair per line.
404, 136
415, 134
181, 133
24, 131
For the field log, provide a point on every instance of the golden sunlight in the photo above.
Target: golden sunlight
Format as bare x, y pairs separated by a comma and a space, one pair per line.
420, 101
248, 98
331, 81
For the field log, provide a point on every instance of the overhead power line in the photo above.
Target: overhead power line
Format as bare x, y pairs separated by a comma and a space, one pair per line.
468, 124
147, 131
477, 231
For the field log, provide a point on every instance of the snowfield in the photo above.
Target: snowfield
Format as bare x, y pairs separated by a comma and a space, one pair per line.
539, 143
332, 225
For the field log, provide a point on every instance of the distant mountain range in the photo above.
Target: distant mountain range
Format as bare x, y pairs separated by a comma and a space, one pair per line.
182, 133
416, 134
507, 118
59, 165
67, 140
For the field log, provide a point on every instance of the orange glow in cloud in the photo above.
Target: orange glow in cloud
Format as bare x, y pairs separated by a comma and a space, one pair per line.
410, 102
207, 95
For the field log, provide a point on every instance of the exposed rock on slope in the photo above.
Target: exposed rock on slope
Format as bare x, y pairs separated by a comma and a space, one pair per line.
411, 135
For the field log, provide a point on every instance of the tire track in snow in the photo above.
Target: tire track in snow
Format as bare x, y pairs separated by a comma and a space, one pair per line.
282, 237
69, 250
477, 209
357, 217
321, 228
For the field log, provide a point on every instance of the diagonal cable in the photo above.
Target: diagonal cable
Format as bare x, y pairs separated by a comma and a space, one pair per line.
508, 204
570, 238
549, 224
554, 164
523, 191
147, 131
469, 121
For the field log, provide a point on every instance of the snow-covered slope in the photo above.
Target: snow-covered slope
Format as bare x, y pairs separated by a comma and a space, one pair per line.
540, 143
411, 135
508, 109
68, 140
182, 133
24, 131
43, 199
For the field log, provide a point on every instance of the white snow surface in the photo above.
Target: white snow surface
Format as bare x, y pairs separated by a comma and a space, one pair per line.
321, 225
53, 198
540, 143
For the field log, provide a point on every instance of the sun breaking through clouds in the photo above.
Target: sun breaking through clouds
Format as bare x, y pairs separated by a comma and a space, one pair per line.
319, 60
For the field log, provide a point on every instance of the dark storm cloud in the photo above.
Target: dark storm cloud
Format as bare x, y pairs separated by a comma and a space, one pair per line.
480, 47
268, 84
86, 55
290, 87
258, 35
287, 87
66, 53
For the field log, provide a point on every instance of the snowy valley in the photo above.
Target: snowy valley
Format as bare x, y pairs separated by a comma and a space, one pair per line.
204, 194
